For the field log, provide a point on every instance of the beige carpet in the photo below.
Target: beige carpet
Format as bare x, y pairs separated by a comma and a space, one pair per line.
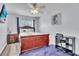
11, 50
6, 51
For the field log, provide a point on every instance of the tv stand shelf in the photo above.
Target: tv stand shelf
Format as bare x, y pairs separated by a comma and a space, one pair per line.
65, 39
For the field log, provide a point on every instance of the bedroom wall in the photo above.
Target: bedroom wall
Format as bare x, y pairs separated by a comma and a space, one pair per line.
3, 37
3, 34
12, 22
70, 22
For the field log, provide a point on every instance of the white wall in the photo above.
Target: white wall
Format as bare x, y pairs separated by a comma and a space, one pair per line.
3, 34
3, 37
70, 22
12, 22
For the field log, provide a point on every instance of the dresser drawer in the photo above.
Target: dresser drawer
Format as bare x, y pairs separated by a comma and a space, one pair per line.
12, 38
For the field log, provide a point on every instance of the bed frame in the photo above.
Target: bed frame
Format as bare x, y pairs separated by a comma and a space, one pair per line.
34, 41
24, 27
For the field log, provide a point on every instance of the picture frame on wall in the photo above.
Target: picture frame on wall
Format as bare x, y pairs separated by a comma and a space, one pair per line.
56, 19
3, 14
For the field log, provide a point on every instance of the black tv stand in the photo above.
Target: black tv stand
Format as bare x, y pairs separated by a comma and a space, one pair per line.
60, 38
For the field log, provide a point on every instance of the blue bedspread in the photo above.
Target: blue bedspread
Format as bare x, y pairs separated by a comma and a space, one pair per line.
45, 51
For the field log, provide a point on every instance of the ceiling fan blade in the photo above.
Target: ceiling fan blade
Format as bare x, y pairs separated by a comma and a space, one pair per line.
30, 4
36, 6
41, 7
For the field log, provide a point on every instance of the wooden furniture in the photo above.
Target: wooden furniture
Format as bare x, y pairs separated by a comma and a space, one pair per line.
27, 28
12, 38
24, 26
31, 41
34, 41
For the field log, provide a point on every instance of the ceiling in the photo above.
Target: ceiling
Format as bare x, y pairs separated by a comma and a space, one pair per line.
19, 8
22, 8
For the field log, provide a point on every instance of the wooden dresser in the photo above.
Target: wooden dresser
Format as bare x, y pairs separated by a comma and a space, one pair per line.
12, 38
34, 41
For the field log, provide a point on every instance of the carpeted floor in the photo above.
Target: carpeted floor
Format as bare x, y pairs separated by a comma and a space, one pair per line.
11, 50
6, 51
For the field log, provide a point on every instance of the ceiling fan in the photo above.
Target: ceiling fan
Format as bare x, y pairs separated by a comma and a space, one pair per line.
36, 8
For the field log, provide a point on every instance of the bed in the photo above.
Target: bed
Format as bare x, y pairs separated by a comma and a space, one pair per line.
33, 40
29, 38
36, 44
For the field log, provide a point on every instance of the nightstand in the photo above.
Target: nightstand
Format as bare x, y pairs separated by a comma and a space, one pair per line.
12, 38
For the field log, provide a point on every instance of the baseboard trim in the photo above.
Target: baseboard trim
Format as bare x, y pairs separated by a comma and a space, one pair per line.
3, 49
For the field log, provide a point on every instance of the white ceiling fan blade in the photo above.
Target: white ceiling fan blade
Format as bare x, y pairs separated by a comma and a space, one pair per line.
31, 6
41, 7
35, 6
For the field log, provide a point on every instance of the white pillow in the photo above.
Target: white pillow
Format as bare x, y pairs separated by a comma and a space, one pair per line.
26, 30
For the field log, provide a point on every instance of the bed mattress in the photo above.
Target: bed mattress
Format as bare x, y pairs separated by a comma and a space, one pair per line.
31, 33
45, 51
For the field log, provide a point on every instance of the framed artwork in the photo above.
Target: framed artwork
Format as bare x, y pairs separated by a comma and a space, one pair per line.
56, 19
3, 14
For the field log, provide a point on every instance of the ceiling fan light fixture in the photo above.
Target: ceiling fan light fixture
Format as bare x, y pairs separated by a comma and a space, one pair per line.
35, 8
34, 11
